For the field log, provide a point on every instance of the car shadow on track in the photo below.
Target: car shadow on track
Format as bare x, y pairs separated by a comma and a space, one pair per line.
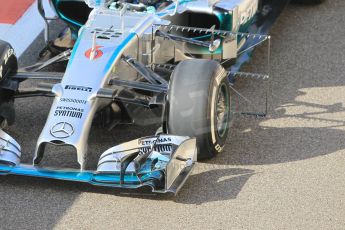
214, 185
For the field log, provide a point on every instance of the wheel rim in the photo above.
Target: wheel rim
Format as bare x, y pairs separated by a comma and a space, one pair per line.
222, 110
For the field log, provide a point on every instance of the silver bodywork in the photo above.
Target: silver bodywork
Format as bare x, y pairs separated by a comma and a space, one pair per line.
118, 32
112, 41
170, 157
10, 151
173, 160
83, 84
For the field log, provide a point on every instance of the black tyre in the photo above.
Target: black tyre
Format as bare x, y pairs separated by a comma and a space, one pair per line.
307, 1
8, 65
198, 105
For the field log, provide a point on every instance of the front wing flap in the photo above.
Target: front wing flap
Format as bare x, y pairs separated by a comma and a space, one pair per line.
162, 162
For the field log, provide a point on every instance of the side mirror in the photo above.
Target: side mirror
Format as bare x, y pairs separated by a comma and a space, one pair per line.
42, 12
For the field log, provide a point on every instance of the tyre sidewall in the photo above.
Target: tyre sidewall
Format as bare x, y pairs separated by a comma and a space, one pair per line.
8, 87
191, 106
216, 141
8, 60
212, 140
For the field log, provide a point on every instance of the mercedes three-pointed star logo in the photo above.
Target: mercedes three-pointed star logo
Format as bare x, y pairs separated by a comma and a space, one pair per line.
62, 130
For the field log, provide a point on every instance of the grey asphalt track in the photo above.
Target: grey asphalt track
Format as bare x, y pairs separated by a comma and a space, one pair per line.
283, 172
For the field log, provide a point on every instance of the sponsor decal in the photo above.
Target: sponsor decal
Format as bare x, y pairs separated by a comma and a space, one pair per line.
78, 88
154, 140
72, 100
64, 111
218, 148
98, 53
158, 148
62, 130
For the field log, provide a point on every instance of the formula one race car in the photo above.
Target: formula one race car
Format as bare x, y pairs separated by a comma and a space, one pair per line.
174, 61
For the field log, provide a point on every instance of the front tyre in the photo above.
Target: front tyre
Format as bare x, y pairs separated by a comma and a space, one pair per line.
198, 105
8, 87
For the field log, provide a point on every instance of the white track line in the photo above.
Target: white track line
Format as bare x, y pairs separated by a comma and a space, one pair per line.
25, 31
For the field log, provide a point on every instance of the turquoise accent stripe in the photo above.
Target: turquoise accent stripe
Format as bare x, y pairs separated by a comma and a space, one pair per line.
75, 47
91, 177
119, 49
70, 20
